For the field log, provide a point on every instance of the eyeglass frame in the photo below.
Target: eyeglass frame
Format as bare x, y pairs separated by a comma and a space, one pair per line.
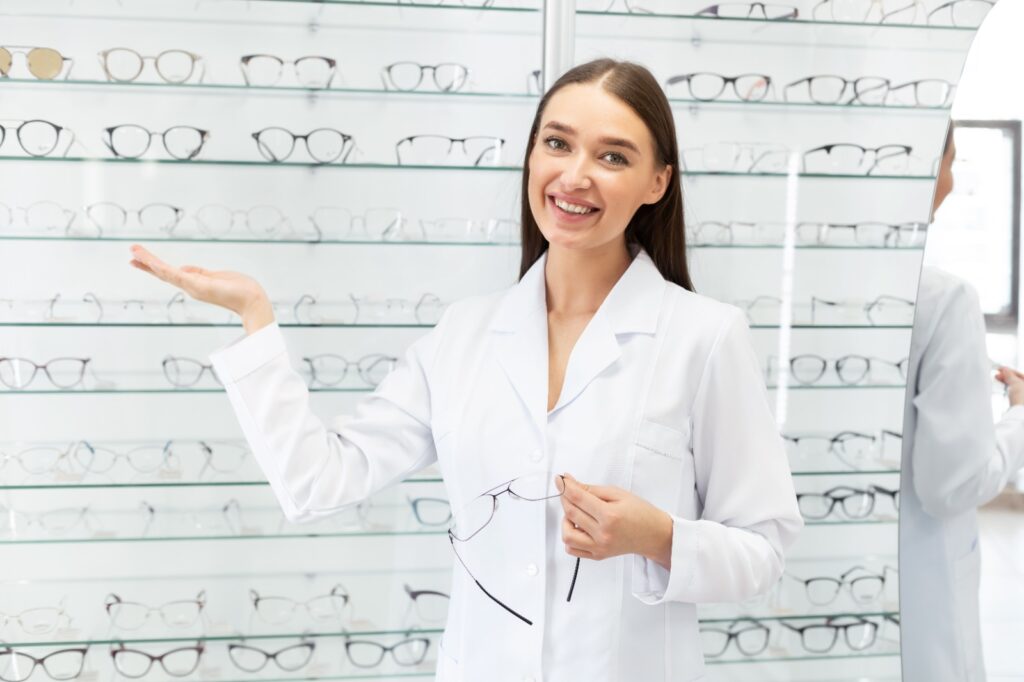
199, 648
869, 493
386, 649
494, 506
46, 370
332, 65
499, 147
829, 622
26, 50
103, 55
113, 600
904, 150
204, 136
734, 635
844, 581
343, 154
712, 10
36, 662
900, 365
726, 82
338, 590
24, 122
305, 643
386, 76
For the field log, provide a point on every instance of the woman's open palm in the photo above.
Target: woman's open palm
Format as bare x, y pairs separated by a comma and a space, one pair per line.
238, 293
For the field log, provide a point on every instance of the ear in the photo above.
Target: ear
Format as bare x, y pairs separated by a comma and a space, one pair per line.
659, 185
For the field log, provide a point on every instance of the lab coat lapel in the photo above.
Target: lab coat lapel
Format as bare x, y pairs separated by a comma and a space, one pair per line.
632, 306
520, 331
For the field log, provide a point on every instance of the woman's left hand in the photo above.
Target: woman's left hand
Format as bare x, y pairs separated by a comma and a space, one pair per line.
604, 521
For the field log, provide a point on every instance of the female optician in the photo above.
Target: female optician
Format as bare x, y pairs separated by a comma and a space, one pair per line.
601, 364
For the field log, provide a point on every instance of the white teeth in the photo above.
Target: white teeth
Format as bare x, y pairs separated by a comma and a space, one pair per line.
572, 208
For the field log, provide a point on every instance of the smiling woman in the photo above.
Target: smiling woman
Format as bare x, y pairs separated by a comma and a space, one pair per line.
601, 159
598, 398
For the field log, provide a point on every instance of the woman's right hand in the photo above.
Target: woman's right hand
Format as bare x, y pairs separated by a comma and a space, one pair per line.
238, 293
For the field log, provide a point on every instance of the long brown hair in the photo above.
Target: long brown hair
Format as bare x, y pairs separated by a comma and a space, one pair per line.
658, 228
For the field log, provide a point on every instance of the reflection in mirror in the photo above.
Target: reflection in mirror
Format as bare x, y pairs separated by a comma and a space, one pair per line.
962, 509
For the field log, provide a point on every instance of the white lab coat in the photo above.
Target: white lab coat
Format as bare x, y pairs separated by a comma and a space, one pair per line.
954, 461
662, 396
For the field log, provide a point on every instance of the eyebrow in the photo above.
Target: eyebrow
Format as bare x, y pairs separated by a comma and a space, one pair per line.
613, 141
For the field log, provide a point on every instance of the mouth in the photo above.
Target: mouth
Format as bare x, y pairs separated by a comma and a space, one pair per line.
571, 209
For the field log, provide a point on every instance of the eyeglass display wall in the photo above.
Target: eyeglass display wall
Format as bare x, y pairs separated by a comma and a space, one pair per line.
811, 133
362, 160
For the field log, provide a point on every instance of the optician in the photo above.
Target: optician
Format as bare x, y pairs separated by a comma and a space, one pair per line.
601, 364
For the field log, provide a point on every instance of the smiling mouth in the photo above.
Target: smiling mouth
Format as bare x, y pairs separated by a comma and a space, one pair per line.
574, 209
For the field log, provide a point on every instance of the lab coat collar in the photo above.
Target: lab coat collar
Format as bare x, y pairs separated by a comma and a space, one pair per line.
632, 306
520, 325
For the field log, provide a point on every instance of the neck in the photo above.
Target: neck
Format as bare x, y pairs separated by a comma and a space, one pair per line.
579, 281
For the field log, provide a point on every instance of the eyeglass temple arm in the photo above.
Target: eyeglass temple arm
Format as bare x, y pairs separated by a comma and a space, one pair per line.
497, 601
572, 586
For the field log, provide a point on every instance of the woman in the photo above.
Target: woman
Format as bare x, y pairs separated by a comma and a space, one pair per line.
954, 461
600, 363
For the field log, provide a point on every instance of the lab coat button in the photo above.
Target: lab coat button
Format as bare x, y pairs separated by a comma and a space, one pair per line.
531, 570
537, 455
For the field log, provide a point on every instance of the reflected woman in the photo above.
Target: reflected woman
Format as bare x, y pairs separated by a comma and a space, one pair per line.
954, 460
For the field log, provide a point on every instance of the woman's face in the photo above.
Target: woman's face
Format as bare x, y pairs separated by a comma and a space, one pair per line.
592, 166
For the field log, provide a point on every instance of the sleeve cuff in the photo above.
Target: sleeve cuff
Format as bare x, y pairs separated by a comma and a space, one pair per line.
652, 583
243, 356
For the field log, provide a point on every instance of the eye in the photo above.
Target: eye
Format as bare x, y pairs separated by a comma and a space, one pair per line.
616, 159
555, 143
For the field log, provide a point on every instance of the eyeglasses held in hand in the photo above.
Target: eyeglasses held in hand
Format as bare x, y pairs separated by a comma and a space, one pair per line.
129, 615
365, 653
184, 372
18, 373
408, 76
324, 608
706, 87
124, 65
863, 585
44, 63
751, 10
748, 635
131, 141
330, 370
253, 659
478, 512
135, 663
265, 70
36, 137
60, 665
820, 638
428, 150
324, 145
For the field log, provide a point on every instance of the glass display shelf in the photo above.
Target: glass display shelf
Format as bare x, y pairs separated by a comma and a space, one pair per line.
395, 166
281, 90
878, 613
837, 387
126, 637
305, 92
892, 652
924, 28
352, 630
339, 325
71, 482
183, 391
409, 242
853, 522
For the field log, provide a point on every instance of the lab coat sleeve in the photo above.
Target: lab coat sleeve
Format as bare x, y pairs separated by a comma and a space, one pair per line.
960, 461
750, 516
314, 468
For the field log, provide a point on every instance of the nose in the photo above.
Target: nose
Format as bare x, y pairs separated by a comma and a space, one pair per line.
575, 173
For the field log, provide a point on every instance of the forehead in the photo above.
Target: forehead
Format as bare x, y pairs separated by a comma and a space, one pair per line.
594, 112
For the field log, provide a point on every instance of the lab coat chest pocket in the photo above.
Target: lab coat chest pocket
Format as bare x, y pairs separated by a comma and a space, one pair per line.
662, 470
